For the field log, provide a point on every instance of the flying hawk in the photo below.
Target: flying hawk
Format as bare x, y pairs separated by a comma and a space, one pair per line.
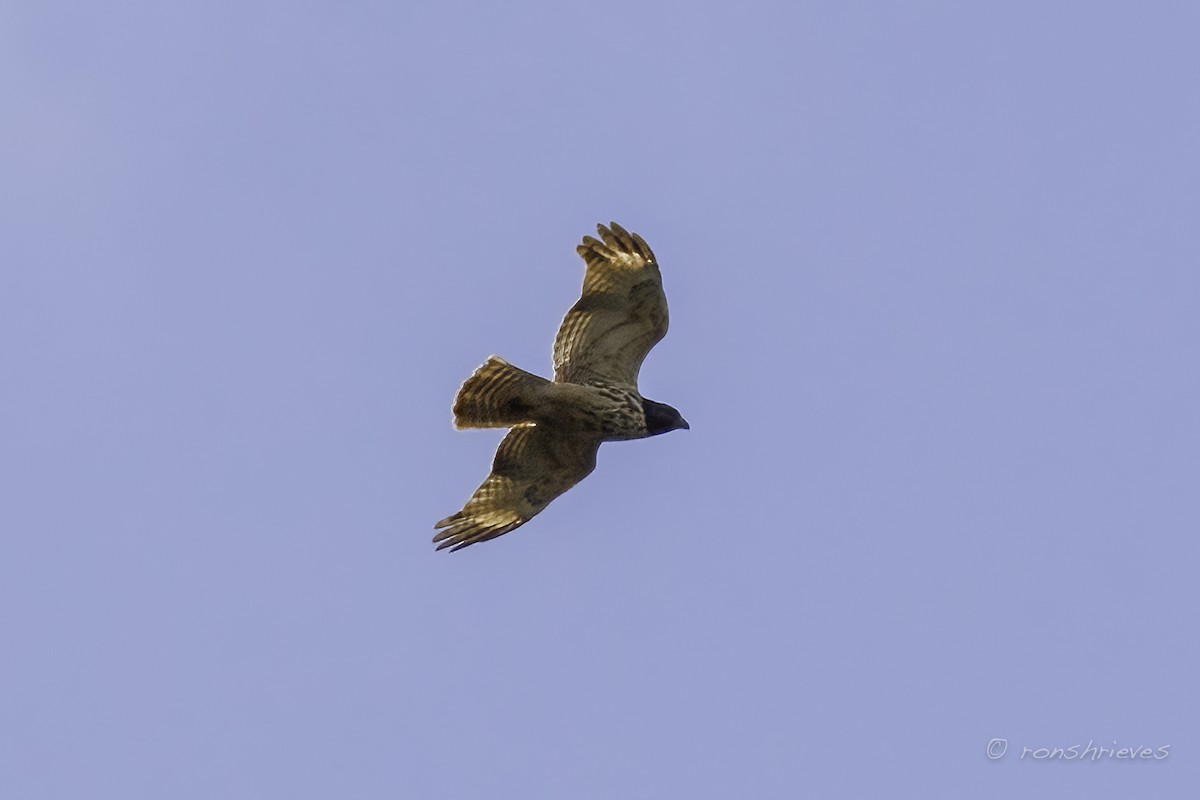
557, 426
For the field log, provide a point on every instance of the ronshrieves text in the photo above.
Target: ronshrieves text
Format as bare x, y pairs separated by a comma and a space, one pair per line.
998, 748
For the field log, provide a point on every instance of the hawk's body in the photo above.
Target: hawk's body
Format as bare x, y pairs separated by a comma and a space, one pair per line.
557, 426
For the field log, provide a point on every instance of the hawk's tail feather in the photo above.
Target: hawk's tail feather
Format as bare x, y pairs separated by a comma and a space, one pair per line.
497, 395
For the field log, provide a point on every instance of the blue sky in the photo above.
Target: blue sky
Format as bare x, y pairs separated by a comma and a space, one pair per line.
933, 280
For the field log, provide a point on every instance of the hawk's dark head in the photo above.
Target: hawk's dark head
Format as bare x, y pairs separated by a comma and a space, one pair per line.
661, 418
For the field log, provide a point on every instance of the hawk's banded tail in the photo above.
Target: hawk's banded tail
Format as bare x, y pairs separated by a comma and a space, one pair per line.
498, 395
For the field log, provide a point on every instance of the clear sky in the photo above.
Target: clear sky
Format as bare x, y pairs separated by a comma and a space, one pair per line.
934, 274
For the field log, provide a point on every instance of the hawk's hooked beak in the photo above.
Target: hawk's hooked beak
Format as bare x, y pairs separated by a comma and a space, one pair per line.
684, 425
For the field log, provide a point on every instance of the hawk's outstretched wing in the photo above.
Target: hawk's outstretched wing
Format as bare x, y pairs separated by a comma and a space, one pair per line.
620, 316
533, 465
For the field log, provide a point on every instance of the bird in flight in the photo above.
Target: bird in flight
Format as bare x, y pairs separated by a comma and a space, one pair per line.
558, 426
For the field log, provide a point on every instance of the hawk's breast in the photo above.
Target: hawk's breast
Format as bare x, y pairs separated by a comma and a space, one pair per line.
623, 417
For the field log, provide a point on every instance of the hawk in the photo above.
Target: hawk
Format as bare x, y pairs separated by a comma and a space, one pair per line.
558, 426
